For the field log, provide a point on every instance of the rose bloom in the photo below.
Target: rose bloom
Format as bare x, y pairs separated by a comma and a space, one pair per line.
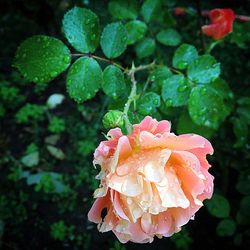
179, 11
221, 23
152, 181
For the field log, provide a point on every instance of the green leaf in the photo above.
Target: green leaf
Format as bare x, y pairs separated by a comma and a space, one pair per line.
30, 160
226, 227
114, 40
241, 132
241, 34
158, 76
245, 207
186, 125
145, 47
244, 101
175, 91
169, 37
84, 79
206, 107
41, 58
243, 109
148, 103
150, 9
243, 183
113, 81
222, 88
82, 30
56, 152
136, 30
204, 69
184, 55
121, 9
218, 206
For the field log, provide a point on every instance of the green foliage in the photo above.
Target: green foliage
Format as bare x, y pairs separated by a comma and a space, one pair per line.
30, 113
226, 227
56, 152
84, 79
184, 55
243, 184
218, 206
114, 40
182, 240
48, 56
145, 47
56, 125
150, 9
158, 76
186, 125
117, 246
81, 28
175, 91
169, 37
31, 159
136, 30
148, 103
123, 9
113, 119
113, 82
241, 35
59, 230
206, 107
204, 69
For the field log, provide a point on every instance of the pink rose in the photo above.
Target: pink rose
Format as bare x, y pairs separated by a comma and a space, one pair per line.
152, 181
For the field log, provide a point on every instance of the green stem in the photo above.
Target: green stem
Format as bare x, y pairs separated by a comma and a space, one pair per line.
213, 45
132, 96
100, 59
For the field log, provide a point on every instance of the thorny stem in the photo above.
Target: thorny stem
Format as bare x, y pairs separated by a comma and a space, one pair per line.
132, 96
100, 59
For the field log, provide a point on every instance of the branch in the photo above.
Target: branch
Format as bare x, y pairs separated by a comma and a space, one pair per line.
100, 59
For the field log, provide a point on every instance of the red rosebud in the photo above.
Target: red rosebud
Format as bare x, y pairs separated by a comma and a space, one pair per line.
179, 11
221, 23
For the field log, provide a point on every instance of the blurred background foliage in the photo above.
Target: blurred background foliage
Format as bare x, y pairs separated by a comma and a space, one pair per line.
47, 140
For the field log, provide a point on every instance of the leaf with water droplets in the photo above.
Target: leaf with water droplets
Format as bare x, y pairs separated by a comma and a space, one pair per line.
82, 30
41, 58
84, 79
184, 55
204, 69
148, 103
158, 76
114, 40
121, 9
206, 107
113, 81
169, 37
175, 91
136, 30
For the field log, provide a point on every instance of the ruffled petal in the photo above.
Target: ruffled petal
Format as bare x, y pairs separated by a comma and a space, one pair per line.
170, 191
95, 212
